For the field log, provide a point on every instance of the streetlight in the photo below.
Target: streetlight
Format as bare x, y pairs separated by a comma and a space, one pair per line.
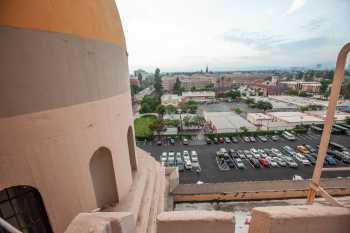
180, 111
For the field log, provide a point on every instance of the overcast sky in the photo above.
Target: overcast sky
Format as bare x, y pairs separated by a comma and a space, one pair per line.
187, 35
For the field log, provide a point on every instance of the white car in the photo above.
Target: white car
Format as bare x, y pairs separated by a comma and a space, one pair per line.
188, 165
163, 157
301, 158
276, 152
256, 155
194, 156
254, 151
186, 155
171, 158
272, 162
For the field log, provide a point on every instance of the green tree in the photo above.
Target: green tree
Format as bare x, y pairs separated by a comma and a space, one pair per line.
177, 87
233, 94
244, 129
160, 109
264, 105
158, 126
139, 77
237, 110
324, 86
149, 104
170, 109
158, 83
329, 75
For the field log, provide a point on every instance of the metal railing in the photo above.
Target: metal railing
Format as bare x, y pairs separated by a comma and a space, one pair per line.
314, 186
8, 227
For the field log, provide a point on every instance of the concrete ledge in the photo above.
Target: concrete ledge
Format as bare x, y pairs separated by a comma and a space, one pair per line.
102, 222
304, 219
256, 190
196, 221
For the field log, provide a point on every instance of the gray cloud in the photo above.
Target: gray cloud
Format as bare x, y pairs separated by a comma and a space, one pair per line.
264, 42
314, 24
258, 40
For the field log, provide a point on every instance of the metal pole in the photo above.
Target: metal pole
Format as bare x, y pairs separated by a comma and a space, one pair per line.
336, 86
8, 226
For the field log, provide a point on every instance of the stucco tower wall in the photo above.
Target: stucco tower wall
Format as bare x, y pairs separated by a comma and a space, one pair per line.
64, 93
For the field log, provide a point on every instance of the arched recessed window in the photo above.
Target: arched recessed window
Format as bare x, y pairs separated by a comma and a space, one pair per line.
103, 177
131, 146
23, 208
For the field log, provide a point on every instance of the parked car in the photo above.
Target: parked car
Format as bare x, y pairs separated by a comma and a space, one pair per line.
310, 158
163, 158
262, 138
186, 155
159, 142
275, 137
229, 162
301, 158
234, 139
290, 162
310, 148
171, 159
246, 139
216, 140
330, 160
276, 152
239, 163
227, 140
188, 165
241, 154
221, 140
264, 162
280, 162
290, 151
172, 141
341, 156
255, 162
194, 156
253, 150
252, 139
208, 140
185, 141
303, 150
272, 161
248, 155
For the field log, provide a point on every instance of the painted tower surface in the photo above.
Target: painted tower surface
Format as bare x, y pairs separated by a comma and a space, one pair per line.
65, 108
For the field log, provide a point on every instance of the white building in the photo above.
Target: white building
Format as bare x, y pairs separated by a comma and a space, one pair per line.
168, 99
259, 119
338, 116
199, 96
227, 122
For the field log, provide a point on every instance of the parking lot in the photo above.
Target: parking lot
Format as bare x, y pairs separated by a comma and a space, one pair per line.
210, 172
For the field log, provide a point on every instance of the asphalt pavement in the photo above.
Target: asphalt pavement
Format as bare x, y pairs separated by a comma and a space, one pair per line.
210, 172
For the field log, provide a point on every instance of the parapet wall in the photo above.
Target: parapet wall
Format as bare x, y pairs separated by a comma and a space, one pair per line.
305, 219
196, 221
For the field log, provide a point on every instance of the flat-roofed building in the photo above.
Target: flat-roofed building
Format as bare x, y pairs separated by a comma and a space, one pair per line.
227, 122
199, 96
169, 99
295, 118
338, 116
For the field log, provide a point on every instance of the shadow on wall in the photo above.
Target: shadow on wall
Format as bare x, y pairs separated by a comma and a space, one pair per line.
131, 146
103, 177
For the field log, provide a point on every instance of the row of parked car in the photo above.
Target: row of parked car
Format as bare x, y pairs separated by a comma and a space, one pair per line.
263, 138
184, 161
273, 157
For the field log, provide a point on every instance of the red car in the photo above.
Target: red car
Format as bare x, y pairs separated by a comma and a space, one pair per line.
221, 140
264, 162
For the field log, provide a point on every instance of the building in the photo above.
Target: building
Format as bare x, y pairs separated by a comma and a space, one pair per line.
199, 96
66, 124
259, 119
312, 87
169, 99
227, 122
295, 118
277, 106
338, 116
299, 101
134, 81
